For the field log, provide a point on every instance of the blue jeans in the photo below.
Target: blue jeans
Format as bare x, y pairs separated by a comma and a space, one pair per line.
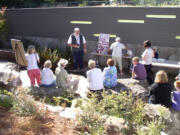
78, 59
50, 85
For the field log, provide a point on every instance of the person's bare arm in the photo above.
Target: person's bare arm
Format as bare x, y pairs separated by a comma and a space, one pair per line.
133, 74
85, 49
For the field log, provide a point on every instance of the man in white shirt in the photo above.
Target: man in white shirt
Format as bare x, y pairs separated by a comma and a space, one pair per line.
117, 48
94, 77
78, 44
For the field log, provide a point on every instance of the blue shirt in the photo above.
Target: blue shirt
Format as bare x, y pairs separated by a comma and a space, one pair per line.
176, 100
110, 76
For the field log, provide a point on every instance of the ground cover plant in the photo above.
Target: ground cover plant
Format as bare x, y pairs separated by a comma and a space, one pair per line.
123, 105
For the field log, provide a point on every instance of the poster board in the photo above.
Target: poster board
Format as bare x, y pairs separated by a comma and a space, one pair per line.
18, 49
103, 44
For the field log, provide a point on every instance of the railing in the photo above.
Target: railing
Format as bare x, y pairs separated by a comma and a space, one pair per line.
98, 3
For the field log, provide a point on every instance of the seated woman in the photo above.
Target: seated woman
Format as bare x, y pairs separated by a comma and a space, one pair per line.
47, 75
161, 90
94, 77
110, 74
138, 70
176, 97
63, 80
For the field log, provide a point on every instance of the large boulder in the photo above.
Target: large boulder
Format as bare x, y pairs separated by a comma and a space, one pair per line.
138, 88
171, 117
9, 80
53, 91
47, 91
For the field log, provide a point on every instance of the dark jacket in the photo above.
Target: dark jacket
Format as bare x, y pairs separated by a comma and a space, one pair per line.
74, 42
162, 93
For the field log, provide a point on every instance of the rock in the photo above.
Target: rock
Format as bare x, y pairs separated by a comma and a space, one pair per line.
9, 80
156, 110
173, 128
57, 109
114, 124
70, 113
82, 86
47, 91
138, 88
171, 117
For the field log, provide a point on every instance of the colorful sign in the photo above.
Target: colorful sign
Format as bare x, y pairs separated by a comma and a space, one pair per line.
103, 44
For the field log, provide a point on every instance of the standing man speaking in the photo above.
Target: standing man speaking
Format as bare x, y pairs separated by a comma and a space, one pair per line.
78, 44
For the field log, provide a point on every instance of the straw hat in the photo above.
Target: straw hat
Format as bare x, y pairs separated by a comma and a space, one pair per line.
62, 62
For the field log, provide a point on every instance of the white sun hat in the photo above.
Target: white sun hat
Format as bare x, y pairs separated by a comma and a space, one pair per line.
62, 62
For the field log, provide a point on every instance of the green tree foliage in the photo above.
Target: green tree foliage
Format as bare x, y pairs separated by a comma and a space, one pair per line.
3, 27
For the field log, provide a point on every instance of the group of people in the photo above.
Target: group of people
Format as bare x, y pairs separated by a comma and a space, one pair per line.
46, 77
160, 89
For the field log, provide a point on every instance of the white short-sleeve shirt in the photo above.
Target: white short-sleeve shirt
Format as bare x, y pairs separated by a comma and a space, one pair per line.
32, 60
117, 48
77, 39
95, 79
47, 76
148, 54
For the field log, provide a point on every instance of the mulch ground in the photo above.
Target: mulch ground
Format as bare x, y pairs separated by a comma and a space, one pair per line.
51, 124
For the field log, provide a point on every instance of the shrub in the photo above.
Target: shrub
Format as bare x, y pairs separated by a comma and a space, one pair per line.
89, 121
64, 100
6, 99
3, 27
152, 128
49, 54
54, 55
122, 105
24, 105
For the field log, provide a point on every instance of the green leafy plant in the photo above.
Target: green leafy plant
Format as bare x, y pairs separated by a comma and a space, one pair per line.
89, 121
5, 92
65, 100
3, 27
152, 128
6, 99
123, 105
49, 54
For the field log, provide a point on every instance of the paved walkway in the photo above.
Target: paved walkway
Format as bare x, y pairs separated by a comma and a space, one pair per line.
6, 66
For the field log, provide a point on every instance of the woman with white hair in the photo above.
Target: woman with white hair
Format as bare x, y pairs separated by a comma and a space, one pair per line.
117, 48
63, 80
94, 77
47, 75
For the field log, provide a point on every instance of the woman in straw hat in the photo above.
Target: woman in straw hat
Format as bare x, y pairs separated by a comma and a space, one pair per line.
63, 80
